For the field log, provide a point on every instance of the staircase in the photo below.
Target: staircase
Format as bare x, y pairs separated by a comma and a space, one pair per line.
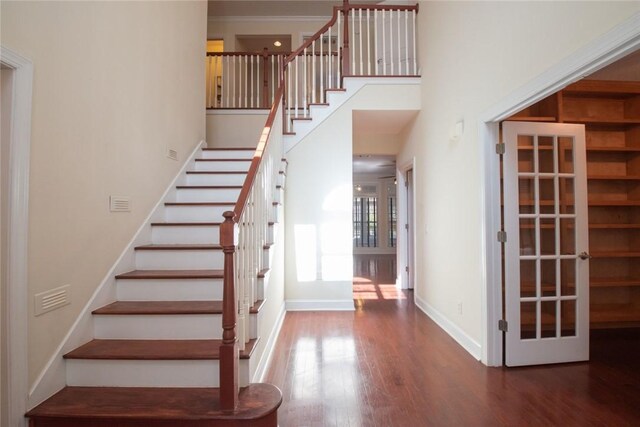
154, 359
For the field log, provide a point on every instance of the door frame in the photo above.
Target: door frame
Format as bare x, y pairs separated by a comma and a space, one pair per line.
605, 49
402, 259
14, 312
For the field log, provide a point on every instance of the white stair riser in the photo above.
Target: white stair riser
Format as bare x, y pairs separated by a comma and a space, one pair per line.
158, 327
148, 373
227, 154
279, 196
192, 234
196, 213
179, 259
223, 166
261, 283
207, 195
216, 179
169, 290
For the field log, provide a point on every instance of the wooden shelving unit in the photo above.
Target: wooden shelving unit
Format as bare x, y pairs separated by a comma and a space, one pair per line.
610, 112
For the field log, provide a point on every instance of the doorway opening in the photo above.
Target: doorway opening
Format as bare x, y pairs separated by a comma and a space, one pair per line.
606, 106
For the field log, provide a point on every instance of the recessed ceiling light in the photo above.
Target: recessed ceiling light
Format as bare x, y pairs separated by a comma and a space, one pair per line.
277, 43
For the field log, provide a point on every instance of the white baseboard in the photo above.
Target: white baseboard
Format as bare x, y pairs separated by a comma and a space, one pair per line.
53, 376
461, 337
267, 354
320, 305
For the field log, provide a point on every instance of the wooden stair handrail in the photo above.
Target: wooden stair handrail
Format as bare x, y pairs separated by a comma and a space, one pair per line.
261, 53
229, 354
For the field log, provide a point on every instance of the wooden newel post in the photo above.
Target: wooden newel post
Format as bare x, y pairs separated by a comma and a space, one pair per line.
265, 78
229, 356
346, 70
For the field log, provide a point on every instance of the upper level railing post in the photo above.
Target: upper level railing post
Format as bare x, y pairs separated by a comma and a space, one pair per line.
345, 43
229, 355
265, 78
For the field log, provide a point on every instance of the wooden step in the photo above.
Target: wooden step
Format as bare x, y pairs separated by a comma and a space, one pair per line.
161, 307
155, 407
171, 274
179, 247
229, 149
154, 350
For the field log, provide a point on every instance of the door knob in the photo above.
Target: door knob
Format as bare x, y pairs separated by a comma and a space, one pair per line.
584, 255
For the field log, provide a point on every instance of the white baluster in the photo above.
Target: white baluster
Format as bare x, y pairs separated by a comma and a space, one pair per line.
338, 50
368, 44
225, 83
415, 65
406, 41
360, 39
240, 82
384, 45
391, 41
306, 81
322, 96
251, 80
353, 41
313, 72
329, 61
297, 94
399, 50
375, 41
288, 97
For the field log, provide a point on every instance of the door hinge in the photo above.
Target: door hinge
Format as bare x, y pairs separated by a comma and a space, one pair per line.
406, 226
503, 325
500, 148
406, 269
502, 236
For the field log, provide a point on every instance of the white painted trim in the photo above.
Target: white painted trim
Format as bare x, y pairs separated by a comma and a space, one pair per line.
53, 376
320, 305
278, 19
450, 328
267, 354
611, 46
238, 112
18, 227
401, 243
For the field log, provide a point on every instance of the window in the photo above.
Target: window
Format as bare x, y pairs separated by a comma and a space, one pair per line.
365, 222
391, 209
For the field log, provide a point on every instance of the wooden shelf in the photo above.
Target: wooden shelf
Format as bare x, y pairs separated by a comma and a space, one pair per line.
603, 121
615, 254
614, 203
614, 149
615, 226
614, 177
614, 313
613, 282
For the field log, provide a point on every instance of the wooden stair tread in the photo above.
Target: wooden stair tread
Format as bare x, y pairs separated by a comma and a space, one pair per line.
229, 149
255, 401
257, 306
185, 224
262, 273
200, 203
178, 247
216, 172
161, 307
100, 349
171, 274
208, 187
223, 160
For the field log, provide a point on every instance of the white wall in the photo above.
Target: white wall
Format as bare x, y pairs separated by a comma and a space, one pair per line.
474, 54
319, 249
297, 27
232, 128
115, 85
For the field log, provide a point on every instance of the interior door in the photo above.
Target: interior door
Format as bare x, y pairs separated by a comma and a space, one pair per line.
546, 259
409, 227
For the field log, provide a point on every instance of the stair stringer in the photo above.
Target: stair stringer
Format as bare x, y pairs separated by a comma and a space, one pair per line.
53, 377
336, 99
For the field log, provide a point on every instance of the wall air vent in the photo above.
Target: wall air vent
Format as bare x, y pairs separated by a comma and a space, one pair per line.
50, 300
120, 204
172, 154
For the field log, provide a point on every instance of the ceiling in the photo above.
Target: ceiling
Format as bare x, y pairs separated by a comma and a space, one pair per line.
377, 166
381, 122
255, 43
276, 8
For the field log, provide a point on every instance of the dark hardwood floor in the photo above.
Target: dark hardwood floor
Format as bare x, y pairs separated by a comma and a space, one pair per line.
388, 364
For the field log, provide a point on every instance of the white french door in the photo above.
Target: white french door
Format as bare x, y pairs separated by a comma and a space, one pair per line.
546, 259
